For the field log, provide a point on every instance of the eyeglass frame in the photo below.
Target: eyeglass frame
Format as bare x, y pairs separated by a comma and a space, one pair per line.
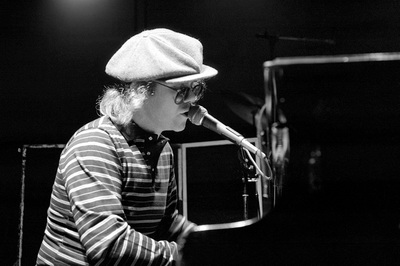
185, 90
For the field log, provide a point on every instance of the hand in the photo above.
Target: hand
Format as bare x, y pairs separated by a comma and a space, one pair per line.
181, 240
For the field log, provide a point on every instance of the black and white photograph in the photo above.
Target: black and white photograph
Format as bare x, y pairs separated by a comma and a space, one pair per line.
197, 133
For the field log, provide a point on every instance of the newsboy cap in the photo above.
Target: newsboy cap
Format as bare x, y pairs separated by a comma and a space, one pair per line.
160, 54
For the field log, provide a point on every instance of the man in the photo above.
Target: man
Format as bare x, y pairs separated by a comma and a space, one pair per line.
114, 197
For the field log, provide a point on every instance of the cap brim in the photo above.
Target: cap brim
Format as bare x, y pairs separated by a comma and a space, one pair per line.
207, 72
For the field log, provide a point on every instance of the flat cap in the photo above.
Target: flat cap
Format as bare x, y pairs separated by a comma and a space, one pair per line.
160, 54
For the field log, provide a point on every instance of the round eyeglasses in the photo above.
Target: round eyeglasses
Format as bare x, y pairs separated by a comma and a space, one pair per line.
198, 88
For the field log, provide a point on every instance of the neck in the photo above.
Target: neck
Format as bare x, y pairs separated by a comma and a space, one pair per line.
142, 122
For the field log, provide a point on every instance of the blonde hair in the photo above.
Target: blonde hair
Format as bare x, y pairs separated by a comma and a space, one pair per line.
120, 101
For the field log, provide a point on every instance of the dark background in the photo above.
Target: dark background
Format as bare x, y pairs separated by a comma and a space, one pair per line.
53, 54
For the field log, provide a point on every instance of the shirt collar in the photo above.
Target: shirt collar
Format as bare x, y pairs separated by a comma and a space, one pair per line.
134, 133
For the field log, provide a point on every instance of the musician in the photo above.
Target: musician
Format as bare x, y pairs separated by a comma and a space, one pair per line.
114, 199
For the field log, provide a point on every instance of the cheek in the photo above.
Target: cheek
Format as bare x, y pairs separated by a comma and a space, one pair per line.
163, 108
164, 111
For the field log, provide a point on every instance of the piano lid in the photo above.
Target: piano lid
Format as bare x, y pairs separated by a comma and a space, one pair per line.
350, 97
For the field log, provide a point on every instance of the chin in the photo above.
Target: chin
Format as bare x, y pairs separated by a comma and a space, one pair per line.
178, 125
179, 129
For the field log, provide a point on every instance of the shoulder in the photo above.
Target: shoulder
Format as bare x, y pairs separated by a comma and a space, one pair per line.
97, 134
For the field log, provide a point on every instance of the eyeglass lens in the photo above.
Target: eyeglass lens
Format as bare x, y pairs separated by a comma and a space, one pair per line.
198, 91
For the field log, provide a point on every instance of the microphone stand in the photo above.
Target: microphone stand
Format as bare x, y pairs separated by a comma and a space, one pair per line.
249, 180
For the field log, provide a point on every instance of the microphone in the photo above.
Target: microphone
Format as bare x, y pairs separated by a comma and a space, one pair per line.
199, 115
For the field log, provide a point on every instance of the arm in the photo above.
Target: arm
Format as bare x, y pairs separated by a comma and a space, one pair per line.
174, 226
92, 172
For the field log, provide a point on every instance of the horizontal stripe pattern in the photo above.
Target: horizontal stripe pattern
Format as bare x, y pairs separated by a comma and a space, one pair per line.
105, 207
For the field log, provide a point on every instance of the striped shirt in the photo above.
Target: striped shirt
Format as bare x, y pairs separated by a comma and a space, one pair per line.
108, 207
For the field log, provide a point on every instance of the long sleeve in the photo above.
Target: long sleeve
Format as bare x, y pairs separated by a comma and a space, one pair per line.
95, 194
174, 225
87, 218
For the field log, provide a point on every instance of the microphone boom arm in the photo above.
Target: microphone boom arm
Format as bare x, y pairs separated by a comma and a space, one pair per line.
198, 115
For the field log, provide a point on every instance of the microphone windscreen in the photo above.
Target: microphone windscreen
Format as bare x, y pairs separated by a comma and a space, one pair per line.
196, 114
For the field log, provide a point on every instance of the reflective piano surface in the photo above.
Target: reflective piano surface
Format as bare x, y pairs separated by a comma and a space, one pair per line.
345, 209
321, 96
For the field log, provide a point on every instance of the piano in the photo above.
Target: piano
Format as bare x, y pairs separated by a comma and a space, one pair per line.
343, 210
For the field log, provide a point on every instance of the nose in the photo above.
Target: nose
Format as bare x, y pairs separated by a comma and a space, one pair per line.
191, 97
